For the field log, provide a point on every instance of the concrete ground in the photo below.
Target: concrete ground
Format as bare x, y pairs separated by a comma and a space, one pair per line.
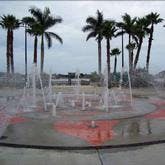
40, 131
148, 155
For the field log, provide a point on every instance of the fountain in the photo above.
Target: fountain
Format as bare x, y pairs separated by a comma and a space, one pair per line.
108, 100
83, 101
78, 83
86, 114
31, 96
50, 95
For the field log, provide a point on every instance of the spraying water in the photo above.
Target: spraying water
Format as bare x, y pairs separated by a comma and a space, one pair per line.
77, 87
83, 101
50, 88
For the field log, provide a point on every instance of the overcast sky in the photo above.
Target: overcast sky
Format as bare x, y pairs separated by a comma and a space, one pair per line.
76, 52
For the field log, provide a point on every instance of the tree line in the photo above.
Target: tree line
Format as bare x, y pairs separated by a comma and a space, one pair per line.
37, 26
40, 21
136, 28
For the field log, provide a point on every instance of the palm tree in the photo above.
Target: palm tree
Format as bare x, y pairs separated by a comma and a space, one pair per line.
109, 30
10, 23
127, 26
140, 31
46, 21
115, 52
94, 27
153, 19
131, 48
121, 33
34, 29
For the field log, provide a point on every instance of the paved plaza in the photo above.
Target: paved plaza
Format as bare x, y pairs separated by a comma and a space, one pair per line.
129, 137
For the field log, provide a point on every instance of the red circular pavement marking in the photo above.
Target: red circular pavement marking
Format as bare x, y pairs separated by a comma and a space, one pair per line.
159, 114
95, 136
17, 119
158, 102
12, 120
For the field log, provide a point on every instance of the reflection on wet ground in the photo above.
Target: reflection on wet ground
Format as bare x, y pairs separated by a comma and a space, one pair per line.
95, 132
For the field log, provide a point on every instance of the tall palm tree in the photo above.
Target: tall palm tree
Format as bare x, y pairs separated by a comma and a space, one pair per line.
127, 26
94, 27
140, 31
34, 29
153, 19
115, 52
121, 33
10, 23
46, 21
109, 30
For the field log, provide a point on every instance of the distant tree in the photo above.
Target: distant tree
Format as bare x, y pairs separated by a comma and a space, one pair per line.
94, 77
131, 48
115, 52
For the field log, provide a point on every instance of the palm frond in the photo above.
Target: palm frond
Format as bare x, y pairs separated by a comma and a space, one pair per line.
51, 35
90, 35
51, 21
49, 39
87, 28
120, 33
28, 20
9, 22
91, 20
37, 14
99, 17
115, 51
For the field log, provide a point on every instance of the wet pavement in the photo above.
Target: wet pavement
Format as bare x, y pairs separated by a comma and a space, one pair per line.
71, 129
110, 129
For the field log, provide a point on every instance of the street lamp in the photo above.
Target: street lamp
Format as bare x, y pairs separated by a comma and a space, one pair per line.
24, 25
25, 54
122, 40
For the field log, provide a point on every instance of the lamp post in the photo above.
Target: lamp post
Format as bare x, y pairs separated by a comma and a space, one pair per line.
25, 53
25, 41
122, 54
122, 40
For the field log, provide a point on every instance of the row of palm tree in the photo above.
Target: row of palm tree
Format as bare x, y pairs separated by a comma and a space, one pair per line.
136, 28
37, 25
99, 28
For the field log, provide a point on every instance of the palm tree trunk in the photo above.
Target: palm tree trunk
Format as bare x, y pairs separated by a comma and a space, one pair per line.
108, 61
35, 51
42, 53
138, 53
129, 51
25, 53
131, 60
122, 43
149, 47
115, 65
8, 52
99, 57
12, 58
